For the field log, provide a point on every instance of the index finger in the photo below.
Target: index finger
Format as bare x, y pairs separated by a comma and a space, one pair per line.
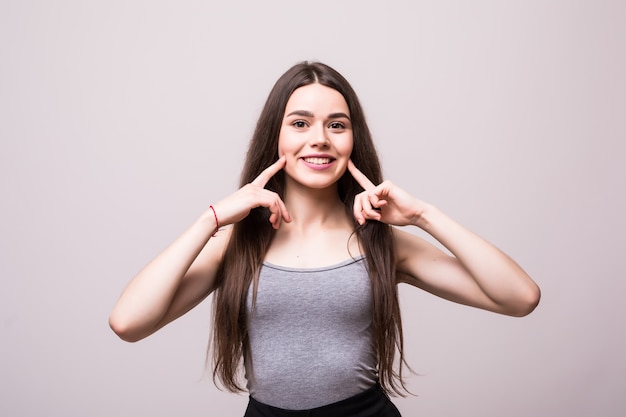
360, 177
263, 178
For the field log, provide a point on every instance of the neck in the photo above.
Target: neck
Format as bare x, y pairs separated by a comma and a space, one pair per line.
314, 209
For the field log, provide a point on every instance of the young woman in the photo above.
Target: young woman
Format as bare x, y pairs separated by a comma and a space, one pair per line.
305, 280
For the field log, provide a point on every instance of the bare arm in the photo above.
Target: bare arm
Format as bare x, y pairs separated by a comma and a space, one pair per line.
184, 273
172, 283
477, 274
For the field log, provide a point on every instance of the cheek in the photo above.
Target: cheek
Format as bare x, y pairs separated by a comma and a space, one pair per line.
281, 144
348, 146
284, 148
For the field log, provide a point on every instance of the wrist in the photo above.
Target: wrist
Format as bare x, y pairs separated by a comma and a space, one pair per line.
209, 220
425, 215
217, 221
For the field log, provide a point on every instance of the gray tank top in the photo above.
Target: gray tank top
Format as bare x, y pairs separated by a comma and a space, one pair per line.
310, 335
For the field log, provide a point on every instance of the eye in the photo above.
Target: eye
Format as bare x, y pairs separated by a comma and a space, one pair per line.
336, 125
299, 124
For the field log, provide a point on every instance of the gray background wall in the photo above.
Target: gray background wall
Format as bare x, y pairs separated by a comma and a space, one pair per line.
121, 121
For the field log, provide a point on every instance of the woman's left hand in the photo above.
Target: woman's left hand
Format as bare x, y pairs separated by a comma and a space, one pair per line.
476, 273
385, 202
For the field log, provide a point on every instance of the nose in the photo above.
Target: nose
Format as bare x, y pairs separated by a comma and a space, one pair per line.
319, 136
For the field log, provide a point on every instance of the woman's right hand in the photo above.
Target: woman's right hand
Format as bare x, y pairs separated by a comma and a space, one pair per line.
238, 205
184, 273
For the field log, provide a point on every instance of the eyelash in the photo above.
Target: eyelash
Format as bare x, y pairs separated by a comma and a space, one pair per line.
333, 125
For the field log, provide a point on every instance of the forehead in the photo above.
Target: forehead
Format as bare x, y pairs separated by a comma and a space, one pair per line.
318, 99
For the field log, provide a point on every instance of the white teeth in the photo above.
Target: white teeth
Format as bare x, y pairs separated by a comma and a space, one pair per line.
317, 161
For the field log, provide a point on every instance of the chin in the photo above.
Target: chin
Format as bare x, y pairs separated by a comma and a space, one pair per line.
314, 185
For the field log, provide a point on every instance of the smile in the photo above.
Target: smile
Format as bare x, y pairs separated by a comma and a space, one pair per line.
317, 161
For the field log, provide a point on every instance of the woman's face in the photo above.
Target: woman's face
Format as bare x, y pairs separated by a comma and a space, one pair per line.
316, 136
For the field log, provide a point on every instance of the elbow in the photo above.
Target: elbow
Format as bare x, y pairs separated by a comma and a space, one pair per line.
123, 329
527, 302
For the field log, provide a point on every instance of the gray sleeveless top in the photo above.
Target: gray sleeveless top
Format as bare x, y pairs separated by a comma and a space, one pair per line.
310, 335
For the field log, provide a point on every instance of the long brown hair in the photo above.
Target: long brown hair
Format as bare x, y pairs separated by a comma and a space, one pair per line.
251, 237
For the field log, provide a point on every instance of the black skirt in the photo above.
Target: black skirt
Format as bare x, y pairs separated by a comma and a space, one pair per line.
371, 403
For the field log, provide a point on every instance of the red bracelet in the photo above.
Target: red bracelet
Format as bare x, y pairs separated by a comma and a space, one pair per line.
217, 222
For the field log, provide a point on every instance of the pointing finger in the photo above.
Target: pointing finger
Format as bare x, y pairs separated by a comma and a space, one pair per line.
360, 177
269, 172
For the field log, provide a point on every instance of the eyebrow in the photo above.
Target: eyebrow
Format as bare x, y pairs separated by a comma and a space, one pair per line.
306, 113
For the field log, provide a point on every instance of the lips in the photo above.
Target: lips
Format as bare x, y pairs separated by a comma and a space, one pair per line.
317, 160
